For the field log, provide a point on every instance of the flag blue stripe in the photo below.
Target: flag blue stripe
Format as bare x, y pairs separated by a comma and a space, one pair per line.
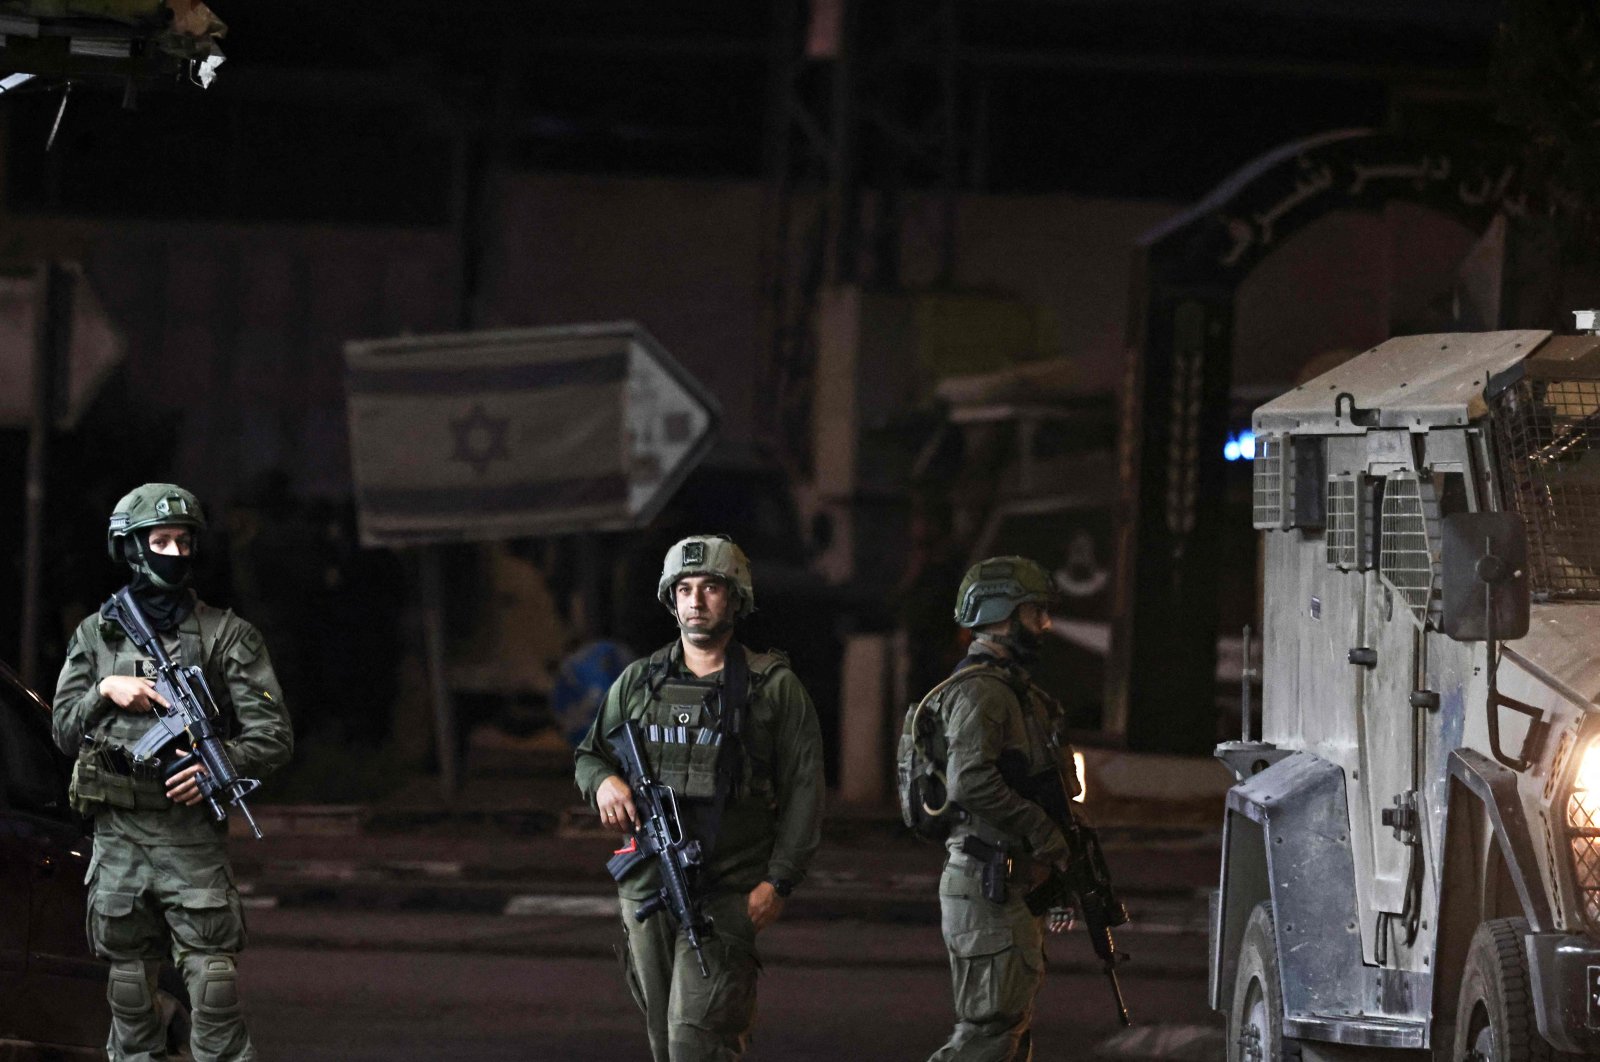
470, 379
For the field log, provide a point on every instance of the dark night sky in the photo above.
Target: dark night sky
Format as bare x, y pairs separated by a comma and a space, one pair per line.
355, 112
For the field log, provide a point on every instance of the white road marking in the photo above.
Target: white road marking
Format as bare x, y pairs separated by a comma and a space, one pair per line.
1163, 1041
564, 906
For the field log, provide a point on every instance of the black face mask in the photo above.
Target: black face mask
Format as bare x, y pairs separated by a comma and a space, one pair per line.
164, 606
1024, 643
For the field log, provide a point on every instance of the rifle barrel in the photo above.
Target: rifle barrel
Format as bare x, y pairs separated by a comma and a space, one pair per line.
1116, 994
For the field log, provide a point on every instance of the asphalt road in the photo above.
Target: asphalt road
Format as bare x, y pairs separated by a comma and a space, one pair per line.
529, 989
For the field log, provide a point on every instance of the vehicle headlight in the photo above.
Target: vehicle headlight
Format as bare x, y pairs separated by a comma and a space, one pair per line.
1583, 831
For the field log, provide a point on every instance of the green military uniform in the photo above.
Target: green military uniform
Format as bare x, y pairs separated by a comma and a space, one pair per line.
159, 880
996, 950
771, 826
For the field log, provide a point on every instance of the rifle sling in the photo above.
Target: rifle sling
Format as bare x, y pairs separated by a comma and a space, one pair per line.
730, 757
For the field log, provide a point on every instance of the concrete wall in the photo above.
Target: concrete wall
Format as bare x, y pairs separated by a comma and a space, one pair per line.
239, 330
1345, 283
683, 258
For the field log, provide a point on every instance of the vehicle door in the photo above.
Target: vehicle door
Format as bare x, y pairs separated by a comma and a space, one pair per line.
15, 903
1397, 610
1405, 601
61, 994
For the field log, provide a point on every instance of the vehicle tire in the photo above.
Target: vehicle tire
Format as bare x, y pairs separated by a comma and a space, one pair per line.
1494, 1013
1255, 1017
172, 996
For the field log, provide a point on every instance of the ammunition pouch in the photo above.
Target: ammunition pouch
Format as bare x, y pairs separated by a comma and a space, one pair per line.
682, 740
97, 785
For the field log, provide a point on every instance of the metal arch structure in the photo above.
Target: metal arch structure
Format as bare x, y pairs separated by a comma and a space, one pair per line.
1160, 688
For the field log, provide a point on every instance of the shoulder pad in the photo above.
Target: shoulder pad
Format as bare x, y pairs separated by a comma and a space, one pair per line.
635, 670
764, 664
996, 672
764, 667
249, 644
636, 677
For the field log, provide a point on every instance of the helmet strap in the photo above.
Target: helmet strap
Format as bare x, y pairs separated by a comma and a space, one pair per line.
166, 574
1019, 643
714, 632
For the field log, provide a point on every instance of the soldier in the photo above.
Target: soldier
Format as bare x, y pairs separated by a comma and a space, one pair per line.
159, 880
771, 813
998, 727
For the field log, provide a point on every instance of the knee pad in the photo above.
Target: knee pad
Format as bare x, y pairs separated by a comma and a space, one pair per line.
213, 985
128, 989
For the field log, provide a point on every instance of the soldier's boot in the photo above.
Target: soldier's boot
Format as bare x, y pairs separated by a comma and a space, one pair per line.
217, 1032
137, 1031
987, 1041
690, 1043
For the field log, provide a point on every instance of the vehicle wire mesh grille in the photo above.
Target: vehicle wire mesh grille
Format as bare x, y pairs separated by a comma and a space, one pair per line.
1343, 533
1583, 835
1547, 444
1267, 505
1408, 539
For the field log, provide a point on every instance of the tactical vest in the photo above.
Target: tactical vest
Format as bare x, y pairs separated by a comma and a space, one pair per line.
922, 754
104, 775
686, 726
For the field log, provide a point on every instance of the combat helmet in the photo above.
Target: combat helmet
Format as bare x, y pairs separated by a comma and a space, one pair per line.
994, 588
150, 505
708, 555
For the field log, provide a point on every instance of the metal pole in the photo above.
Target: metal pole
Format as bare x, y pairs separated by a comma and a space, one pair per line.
444, 719
52, 330
1247, 676
843, 206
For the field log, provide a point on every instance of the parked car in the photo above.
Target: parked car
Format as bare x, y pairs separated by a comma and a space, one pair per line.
52, 989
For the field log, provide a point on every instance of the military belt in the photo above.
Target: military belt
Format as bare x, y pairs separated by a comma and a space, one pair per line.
105, 775
998, 864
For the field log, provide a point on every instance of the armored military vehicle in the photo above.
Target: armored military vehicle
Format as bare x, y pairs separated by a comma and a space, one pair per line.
1411, 855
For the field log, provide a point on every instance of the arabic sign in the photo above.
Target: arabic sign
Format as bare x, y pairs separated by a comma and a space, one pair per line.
1252, 213
1424, 175
95, 348
503, 434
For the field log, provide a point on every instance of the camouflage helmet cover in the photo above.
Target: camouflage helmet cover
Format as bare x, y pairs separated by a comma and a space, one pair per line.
708, 555
152, 505
994, 588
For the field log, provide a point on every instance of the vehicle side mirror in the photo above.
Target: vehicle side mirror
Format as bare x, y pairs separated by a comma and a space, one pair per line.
1485, 561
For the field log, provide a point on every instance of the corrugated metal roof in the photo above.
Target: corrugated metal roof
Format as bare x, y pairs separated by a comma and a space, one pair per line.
1415, 382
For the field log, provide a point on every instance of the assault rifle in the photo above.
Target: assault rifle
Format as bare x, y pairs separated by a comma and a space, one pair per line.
187, 717
659, 836
1085, 883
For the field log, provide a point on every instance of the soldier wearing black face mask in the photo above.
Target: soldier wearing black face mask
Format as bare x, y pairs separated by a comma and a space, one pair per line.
159, 883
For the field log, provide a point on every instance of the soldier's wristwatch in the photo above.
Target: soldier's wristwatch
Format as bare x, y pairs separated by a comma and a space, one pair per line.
782, 886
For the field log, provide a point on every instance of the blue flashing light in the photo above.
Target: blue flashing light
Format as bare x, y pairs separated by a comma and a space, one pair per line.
1240, 447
